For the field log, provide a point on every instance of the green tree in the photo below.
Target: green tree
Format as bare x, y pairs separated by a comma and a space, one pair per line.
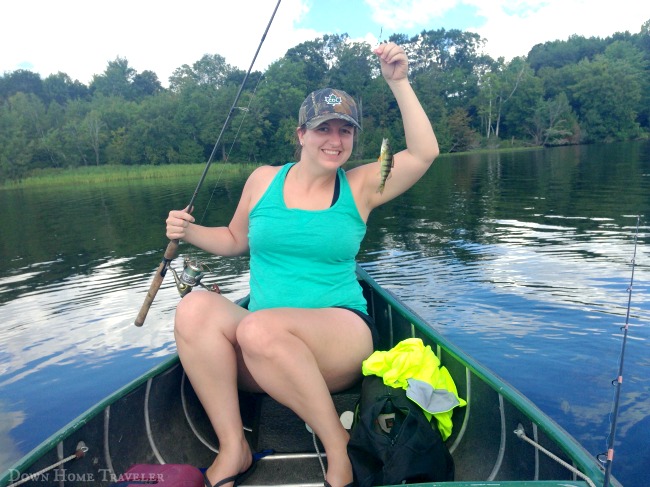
211, 70
245, 139
145, 84
557, 54
109, 122
353, 68
163, 137
442, 49
73, 133
31, 116
498, 90
553, 123
219, 104
578, 90
15, 153
556, 80
452, 61
608, 92
462, 137
518, 112
116, 79
436, 105
642, 42
21, 81
283, 90
94, 131
60, 88
317, 57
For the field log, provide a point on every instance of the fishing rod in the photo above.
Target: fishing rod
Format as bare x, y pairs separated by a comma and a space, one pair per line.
192, 276
619, 379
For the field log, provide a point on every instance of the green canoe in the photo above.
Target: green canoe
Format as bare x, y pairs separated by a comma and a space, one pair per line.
499, 439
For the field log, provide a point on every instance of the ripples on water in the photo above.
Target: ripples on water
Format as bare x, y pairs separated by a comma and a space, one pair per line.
543, 307
67, 345
528, 283
535, 290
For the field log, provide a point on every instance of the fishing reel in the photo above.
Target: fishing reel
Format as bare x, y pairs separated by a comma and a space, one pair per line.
193, 272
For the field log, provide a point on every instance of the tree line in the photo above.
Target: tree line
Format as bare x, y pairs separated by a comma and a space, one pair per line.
574, 91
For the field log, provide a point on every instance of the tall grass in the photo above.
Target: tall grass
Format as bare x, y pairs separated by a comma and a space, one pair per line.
113, 174
116, 174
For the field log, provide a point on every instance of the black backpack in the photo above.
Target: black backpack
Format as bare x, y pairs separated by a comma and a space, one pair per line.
392, 442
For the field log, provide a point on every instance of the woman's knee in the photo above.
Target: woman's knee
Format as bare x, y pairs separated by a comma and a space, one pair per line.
195, 315
256, 334
187, 315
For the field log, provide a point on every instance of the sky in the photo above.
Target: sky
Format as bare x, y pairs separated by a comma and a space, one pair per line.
80, 37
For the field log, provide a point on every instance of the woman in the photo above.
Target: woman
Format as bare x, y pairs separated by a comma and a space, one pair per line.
302, 224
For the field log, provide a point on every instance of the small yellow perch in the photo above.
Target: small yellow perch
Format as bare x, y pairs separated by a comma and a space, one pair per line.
386, 163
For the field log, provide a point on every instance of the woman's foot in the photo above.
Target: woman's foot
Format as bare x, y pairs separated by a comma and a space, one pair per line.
339, 470
229, 464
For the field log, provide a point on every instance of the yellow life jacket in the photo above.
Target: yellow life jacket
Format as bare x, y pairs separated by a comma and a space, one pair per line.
414, 367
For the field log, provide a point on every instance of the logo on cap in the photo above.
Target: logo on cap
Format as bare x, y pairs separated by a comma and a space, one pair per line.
326, 104
332, 99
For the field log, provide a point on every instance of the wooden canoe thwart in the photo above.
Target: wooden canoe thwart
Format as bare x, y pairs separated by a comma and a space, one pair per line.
499, 437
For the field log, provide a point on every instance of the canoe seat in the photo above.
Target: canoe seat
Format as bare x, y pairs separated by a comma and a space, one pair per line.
279, 428
270, 425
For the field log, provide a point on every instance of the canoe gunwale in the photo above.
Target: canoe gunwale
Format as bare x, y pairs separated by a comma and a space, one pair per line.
584, 461
76, 424
581, 457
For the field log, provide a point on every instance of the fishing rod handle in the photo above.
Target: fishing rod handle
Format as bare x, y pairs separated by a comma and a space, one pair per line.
170, 254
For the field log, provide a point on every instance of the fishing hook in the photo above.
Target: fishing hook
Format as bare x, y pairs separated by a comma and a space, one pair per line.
172, 247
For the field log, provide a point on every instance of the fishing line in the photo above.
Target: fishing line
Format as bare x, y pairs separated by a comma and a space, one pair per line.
246, 111
619, 379
200, 221
232, 109
382, 122
172, 247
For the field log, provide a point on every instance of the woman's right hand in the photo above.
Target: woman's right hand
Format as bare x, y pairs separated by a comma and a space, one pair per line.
177, 223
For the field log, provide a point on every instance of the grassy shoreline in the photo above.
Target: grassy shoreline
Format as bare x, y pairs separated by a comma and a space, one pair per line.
116, 174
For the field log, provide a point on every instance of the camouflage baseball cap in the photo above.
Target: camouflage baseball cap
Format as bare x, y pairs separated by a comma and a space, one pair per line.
326, 104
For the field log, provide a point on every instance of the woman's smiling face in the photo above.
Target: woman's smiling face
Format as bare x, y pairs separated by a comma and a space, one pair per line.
330, 142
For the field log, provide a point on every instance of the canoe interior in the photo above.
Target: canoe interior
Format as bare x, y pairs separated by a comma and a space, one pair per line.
158, 419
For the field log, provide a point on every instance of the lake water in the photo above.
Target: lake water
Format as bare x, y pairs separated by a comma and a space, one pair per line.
523, 259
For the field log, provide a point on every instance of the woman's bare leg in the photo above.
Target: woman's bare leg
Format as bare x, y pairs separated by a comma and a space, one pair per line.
300, 356
205, 332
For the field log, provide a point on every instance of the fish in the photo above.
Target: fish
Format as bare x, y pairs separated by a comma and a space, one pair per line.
386, 163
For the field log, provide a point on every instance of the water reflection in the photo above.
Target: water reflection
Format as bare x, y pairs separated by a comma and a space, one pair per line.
9, 420
97, 311
546, 300
522, 259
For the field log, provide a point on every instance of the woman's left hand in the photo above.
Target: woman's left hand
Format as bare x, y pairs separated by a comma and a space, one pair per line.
393, 60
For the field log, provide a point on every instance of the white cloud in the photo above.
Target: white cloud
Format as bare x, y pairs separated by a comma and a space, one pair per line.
513, 27
80, 38
407, 14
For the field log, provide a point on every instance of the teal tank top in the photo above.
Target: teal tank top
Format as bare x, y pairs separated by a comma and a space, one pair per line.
304, 258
